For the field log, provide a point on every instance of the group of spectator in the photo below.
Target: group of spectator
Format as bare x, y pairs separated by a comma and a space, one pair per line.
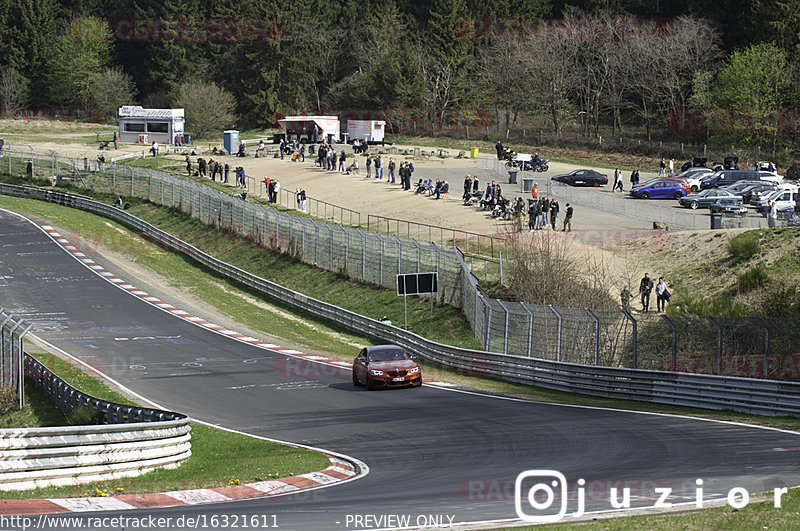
300, 197
431, 188
328, 159
273, 186
295, 150
360, 146
663, 296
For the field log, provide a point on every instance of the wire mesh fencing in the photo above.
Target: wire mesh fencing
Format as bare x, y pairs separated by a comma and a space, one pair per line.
750, 346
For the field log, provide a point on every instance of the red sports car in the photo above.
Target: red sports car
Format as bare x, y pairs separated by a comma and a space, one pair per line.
385, 366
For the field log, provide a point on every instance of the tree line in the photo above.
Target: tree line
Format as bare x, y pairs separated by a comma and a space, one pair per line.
490, 65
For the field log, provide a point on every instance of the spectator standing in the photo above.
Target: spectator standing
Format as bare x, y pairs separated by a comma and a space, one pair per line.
553, 213
662, 168
342, 161
467, 187
303, 153
281, 148
671, 166
276, 189
539, 207
545, 211
226, 170
188, 162
369, 166
297, 198
645, 287
535, 192
772, 218
378, 168
302, 200
116, 142
568, 219
270, 189
334, 158
662, 295
392, 165
154, 148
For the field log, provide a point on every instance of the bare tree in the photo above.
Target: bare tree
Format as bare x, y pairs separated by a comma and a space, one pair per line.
13, 91
109, 90
208, 107
505, 79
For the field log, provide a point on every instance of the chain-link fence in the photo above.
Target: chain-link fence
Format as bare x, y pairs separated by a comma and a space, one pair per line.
743, 346
12, 330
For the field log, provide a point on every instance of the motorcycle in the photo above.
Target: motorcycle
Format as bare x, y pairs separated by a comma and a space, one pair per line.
540, 165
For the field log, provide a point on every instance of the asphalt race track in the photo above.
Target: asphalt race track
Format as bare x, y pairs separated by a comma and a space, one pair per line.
435, 455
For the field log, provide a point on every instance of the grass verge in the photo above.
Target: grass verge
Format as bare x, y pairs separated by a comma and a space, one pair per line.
246, 459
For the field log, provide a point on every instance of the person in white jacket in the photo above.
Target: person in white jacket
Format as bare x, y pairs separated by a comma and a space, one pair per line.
662, 295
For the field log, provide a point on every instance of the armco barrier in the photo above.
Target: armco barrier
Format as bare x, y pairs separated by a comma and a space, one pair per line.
757, 396
135, 440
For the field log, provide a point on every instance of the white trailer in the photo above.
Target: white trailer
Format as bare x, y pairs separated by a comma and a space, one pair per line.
369, 130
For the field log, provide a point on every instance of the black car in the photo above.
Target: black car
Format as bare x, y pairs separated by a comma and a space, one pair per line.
582, 177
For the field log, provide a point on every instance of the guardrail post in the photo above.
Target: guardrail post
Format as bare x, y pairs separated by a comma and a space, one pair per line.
558, 345
674, 342
635, 338
505, 328
596, 336
765, 326
719, 342
530, 328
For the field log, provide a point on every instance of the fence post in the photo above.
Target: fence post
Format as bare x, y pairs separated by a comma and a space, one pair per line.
505, 327
674, 342
399, 253
363, 254
21, 380
719, 342
765, 326
419, 255
558, 345
596, 336
530, 328
487, 335
501, 267
635, 338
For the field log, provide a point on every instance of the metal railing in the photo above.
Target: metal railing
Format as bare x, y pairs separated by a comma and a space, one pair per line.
480, 243
68, 399
320, 209
126, 441
12, 331
606, 338
765, 397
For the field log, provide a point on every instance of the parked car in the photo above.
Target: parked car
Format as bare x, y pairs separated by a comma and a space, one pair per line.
729, 205
728, 177
661, 189
784, 199
730, 163
705, 198
747, 192
693, 176
770, 176
385, 366
584, 177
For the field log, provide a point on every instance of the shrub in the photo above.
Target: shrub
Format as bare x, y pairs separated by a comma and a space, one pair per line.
744, 246
780, 301
9, 399
753, 278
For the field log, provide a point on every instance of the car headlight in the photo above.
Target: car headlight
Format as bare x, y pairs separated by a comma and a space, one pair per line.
376, 373
415, 370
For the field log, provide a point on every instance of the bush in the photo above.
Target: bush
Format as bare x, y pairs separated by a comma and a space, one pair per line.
9, 399
780, 301
753, 278
744, 246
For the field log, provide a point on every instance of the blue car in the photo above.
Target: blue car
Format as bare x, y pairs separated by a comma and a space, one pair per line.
660, 189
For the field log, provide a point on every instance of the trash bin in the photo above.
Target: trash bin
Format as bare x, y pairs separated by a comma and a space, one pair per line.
473, 152
512, 176
527, 185
230, 140
716, 221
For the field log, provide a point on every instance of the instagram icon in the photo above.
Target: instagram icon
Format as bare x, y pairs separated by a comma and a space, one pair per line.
541, 490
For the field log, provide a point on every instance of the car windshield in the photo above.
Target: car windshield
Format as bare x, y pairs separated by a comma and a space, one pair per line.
388, 355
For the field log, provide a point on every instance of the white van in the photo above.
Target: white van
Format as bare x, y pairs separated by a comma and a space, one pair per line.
784, 199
